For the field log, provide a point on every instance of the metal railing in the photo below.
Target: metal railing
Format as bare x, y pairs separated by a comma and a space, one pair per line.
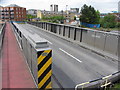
101, 82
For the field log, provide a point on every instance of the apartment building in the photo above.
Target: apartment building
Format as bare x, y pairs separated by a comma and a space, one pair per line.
70, 15
32, 12
12, 12
76, 10
54, 8
44, 13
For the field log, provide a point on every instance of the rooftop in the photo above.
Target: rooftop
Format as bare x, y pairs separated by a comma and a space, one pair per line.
32, 10
12, 5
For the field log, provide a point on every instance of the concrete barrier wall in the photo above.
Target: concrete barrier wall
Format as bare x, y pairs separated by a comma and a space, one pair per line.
37, 24
111, 44
57, 29
29, 55
53, 28
62, 30
84, 35
118, 47
34, 63
43, 25
67, 31
98, 39
36, 51
91, 35
78, 34
72, 32
47, 26
2, 31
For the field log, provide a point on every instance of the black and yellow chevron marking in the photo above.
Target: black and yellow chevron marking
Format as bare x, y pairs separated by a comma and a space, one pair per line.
44, 69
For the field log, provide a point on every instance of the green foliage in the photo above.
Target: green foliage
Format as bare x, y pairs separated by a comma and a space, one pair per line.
117, 86
118, 25
30, 16
89, 15
54, 19
108, 21
74, 18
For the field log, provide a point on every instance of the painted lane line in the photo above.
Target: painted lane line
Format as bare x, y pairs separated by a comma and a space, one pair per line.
49, 42
70, 55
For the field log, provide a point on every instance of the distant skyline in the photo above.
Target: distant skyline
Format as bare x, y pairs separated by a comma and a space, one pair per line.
104, 6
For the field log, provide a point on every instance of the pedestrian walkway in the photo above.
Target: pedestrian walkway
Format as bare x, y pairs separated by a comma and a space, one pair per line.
15, 73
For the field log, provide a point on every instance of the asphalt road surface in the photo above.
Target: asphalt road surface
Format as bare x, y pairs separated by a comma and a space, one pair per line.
73, 64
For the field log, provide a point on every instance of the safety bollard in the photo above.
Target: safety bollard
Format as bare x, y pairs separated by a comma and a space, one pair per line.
44, 69
43, 72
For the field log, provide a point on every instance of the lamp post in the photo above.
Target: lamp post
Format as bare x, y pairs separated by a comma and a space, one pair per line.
62, 17
66, 14
66, 7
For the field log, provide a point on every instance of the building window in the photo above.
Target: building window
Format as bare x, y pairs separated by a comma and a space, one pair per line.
7, 8
11, 8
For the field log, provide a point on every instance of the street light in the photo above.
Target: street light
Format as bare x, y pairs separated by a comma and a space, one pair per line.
66, 14
62, 17
66, 7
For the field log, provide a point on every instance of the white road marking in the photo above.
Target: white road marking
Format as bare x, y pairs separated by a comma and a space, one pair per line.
70, 55
49, 42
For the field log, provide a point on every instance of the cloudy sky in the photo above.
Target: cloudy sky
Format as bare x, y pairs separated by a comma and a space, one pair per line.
101, 5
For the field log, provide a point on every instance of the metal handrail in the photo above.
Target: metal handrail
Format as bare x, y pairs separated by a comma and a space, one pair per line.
103, 78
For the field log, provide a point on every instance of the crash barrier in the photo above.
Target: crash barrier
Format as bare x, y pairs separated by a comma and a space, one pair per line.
104, 41
100, 82
38, 55
2, 31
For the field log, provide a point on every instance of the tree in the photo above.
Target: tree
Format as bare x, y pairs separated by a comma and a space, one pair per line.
89, 15
54, 19
29, 17
74, 17
118, 25
108, 21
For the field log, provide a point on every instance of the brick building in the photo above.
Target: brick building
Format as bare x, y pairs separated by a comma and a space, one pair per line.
12, 12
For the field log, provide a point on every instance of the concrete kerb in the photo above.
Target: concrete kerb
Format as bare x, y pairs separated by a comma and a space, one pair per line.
93, 49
